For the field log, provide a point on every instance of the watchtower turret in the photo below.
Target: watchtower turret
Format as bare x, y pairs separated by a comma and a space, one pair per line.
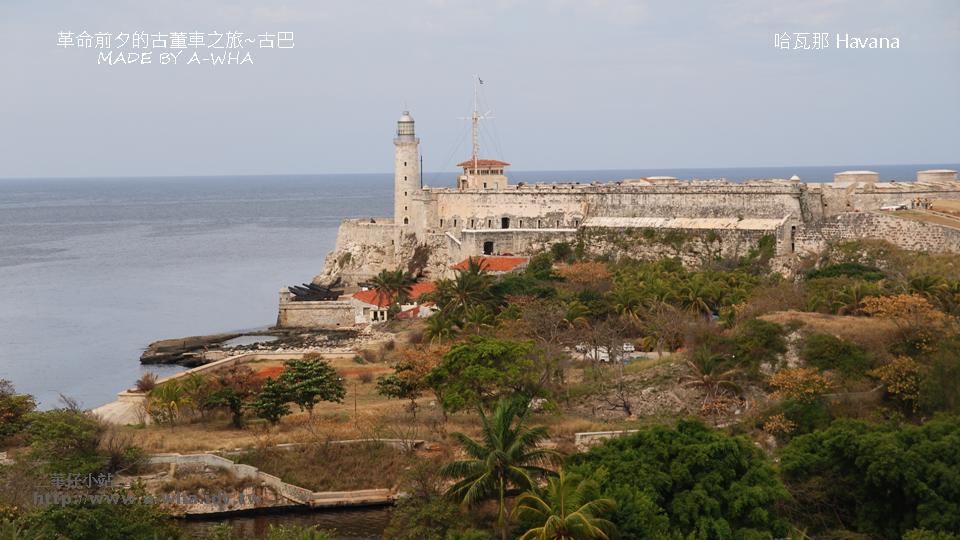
406, 168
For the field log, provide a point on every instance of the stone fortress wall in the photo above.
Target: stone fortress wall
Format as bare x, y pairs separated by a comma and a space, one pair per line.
526, 219
646, 218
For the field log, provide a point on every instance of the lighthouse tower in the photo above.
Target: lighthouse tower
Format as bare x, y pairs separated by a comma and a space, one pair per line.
406, 170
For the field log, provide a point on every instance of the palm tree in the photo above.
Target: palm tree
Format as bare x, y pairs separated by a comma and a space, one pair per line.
930, 287
506, 456
627, 303
440, 326
706, 372
470, 286
477, 317
576, 313
393, 285
569, 509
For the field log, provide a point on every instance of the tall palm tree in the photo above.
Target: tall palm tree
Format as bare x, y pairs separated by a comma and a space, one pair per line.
628, 303
469, 287
576, 313
441, 326
706, 371
569, 509
392, 285
477, 317
930, 287
507, 456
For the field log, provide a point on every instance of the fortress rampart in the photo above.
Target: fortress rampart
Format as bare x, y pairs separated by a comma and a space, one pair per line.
525, 219
647, 218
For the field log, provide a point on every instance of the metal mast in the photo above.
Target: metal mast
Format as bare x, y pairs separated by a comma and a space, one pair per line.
475, 119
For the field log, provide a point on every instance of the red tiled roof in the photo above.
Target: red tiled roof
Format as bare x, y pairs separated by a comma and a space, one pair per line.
493, 264
411, 313
484, 163
376, 298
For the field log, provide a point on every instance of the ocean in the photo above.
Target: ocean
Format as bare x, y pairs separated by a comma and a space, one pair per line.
94, 269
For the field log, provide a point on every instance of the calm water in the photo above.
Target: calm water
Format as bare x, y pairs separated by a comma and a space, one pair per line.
92, 270
349, 524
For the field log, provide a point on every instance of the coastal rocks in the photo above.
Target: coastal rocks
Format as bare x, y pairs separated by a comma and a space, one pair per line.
178, 351
198, 350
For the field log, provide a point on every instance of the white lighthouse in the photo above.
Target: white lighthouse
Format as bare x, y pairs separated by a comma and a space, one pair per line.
406, 169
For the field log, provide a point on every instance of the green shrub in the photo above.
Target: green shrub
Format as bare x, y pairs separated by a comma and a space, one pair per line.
688, 481
541, 266
824, 351
431, 518
561, 251
940, 384
14, 409
880, 480
757, 341
806, 416
134, 521
66, 441
846, 269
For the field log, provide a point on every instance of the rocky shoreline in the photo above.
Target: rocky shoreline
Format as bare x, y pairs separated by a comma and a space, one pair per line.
195, 351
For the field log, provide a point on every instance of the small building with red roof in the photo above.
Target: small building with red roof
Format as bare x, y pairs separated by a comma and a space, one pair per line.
482, 174
372, 305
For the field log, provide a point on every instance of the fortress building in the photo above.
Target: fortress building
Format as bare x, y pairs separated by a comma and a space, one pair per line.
652, 217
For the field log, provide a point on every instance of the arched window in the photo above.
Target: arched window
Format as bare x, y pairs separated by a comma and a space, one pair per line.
406, 221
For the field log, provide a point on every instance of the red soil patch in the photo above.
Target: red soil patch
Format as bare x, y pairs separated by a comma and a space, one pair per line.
269, 372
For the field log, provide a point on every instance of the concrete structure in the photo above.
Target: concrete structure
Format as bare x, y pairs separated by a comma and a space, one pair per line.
653, 217
937, 175
856, 176
291, 495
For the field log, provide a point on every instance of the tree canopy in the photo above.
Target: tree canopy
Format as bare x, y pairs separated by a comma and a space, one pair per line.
482, 369
877, 479
686, 481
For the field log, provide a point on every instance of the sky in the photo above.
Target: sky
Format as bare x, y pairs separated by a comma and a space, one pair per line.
572, 84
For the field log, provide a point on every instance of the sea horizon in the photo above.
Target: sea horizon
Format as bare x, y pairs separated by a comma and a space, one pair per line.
512, 172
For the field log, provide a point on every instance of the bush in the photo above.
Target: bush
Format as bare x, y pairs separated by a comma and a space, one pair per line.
805, 385
14, 409
271, 403
433, 518
940, 386
824, 351
801, 416
562, 252
688, 481
901, 377
756, 342
847, 269
482, 369
880, 480
135, 521
146, 382
66, 441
